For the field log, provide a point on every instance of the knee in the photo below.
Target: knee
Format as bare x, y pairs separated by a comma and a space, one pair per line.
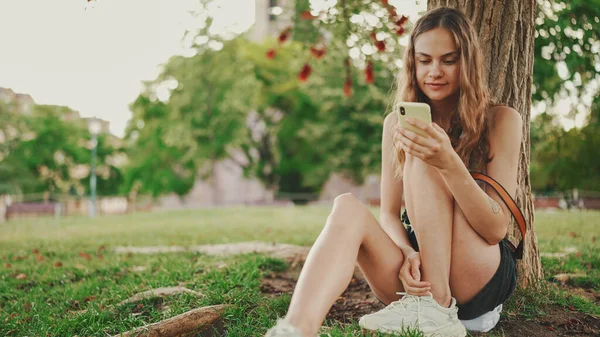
345, 198
348, 212
423, 174
346, 202
423, 169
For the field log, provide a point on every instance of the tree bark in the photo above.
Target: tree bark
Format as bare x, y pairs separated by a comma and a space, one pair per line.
506, 32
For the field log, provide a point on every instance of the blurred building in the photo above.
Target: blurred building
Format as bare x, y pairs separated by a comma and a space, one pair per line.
24, 104
6, 95
21, 103
71, 115
270, 18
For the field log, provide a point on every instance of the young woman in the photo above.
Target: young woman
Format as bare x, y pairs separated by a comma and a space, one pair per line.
451, 268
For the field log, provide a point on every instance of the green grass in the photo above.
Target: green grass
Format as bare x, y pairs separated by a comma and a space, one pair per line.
579, 232
81, 296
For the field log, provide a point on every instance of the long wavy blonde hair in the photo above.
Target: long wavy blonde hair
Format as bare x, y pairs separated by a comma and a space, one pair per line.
469, 122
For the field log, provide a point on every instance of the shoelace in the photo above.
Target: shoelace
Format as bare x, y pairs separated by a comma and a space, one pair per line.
408, 300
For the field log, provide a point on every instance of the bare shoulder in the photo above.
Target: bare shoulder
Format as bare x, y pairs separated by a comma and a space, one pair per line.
505, 124
503, 118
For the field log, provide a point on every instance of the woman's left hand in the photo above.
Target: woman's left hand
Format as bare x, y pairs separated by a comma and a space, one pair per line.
435, 150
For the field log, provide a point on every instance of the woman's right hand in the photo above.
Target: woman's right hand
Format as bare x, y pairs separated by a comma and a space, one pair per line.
410, 275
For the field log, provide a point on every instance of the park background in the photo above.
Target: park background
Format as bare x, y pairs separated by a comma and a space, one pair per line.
243, 125
222, 124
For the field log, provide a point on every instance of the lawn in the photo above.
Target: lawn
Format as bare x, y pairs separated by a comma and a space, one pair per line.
62, 277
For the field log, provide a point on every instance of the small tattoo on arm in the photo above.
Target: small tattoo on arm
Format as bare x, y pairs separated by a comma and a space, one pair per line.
495, 206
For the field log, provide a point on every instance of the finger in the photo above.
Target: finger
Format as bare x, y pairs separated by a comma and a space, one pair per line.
417, 122
416, 273
417, 139
416, 291
398, 137
413, 145
411, 282
406, 277
439, 128
412, 149
427, 127
408, 285
413, 153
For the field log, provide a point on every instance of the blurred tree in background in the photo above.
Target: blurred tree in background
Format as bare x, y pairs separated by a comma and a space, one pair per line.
156, 164
247, 101
565, 159
286, 106
567, 65
568, 33
297, 107
43, 152
14, 176
235, 103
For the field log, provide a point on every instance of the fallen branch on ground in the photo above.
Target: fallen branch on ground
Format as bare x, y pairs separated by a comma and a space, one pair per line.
180, 324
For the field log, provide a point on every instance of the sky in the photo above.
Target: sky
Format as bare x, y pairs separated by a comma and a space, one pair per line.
93, 57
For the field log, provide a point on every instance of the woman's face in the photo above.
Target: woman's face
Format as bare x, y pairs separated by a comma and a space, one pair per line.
437, 64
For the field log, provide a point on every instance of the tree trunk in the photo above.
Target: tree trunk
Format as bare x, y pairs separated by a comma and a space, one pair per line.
506, 32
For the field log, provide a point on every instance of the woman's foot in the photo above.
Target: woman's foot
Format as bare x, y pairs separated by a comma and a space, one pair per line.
421, 312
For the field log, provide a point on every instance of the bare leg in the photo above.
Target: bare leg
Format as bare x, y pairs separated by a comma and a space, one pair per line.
430, 207
455, 259
351, 234
474, 261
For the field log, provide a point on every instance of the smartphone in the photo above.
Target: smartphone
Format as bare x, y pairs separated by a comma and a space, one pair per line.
416, 110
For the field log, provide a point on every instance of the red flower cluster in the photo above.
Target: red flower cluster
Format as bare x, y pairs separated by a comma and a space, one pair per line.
304, 73
348, 87
369, 76
380, 45
318, 52
307, 16
400, 25
398, 20
283, 36
271, 54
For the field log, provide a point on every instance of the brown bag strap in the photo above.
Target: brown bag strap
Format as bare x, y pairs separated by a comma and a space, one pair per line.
512, 206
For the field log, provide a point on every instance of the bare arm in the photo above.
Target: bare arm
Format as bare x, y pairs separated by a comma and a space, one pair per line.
391, 188
484, 210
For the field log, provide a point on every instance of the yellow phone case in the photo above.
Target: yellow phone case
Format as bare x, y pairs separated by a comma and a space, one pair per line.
415, 110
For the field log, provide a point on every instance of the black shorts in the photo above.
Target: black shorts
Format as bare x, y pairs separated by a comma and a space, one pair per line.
495, 292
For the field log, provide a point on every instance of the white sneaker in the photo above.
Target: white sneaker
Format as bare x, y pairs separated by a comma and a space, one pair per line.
485, 322
283, 329
420, 312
